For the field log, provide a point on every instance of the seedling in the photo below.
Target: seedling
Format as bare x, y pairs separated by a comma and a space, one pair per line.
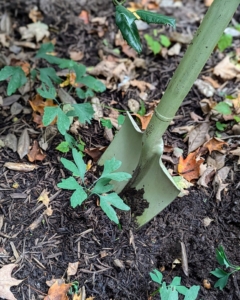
220, 273
225, 42
155, 44
171, 291
101, 187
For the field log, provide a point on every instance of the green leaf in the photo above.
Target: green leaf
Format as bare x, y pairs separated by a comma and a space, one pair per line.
109, 200
220, 126
156, 276
68, 184
152, 44
63, 122
78, 197
125, 21
47, 94
236, 118
121, 119
45, 48
89, 93
17, 78
151, 17
222, 282
92, 83
49, 115
222, 258
192, 293
182, 289
111, 166
223, 108
142, 110
80, 93
66, 64
219, 273
225, 42
63, 147
79, 162
83, 111
168, 292
165, 40
102, 186
80, 70
47, 75
70, 166
70, 140
106, 123
176, 281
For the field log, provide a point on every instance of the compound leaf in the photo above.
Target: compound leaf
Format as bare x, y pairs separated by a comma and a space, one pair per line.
83, 111
125, 21
222, 258
168, 292
219, 273
47, 94
47, 75
17, 78
70, 166
66, 64
80, 70
78, 197
102, 186
49, 115
151, 17
192, 293
45, 48
80, 92
111, 166
109, 200
68, 184
156, 276
79, 163
176, 281
222, 282
63, 122
92, 83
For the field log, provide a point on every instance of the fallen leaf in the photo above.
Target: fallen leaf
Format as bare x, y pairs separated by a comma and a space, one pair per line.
20, 166
207, 221
207, 105
35, 15
206, 177
84, 16
226, 69
195, 117
198, 136
213, 82
144, 119
10, 141
215, 144
182, 184
23, 143
189, 167
184, 259
180, 37
142, 85
36, 153
95, 153
133, 105
219, 179
237, 153
72, 268
44, 198
16, 108
216, 160
76, 55
183, 129
236, 104
97, 107
48, 211
205, 88
38, 30
7, 281
174, 50
58, 291
208, 2
23, 64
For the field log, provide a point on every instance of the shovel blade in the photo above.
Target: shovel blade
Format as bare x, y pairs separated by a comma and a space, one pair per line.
126, 147
159, 191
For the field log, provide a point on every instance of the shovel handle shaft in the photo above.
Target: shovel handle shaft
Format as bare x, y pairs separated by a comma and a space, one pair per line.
206, 38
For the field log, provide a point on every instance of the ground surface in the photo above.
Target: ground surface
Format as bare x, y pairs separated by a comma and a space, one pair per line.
85, 234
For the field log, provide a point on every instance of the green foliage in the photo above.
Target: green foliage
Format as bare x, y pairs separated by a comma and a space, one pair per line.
156, 45
225, 42
70, 143
220, 273
125, 21
220, 126
100, 187
223, 108
17, 78
171, 291
108, 124
142, 110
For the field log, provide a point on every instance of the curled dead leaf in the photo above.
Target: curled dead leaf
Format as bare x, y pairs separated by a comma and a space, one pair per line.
20, 166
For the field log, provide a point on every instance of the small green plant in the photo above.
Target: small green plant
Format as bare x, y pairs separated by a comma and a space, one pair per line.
70, 143
155, 44
101, 187
170, 292
220, 273
225, 42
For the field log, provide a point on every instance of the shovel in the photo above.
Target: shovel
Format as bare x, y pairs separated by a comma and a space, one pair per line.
140, 152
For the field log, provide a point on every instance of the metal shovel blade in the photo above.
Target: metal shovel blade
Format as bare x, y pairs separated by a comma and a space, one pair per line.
159, 188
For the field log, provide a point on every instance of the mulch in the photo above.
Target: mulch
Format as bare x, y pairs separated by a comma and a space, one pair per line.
114, 263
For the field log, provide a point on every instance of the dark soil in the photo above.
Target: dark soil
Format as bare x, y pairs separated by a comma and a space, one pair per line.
85, 234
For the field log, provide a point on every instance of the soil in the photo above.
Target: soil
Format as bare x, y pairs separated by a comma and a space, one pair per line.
85, 234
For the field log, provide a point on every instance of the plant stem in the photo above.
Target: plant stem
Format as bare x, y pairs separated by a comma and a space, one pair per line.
197, 54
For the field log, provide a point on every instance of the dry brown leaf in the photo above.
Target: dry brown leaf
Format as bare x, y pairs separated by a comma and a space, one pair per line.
219, 179
236, 104
58, 291
23, 143
72, 268
36, 153
195, 117
23, 167
76, 55
208, 2
197, 136
183, 129
237, 153
144, 119
180, 37
207, 221
204, 87
207, 105
189, 167
215, 144
48, 211
184, 259
213, 82
206, 176
35, 15
23, 64
95, 153
142, 85
174, 50
44, 198
84, 16
7, 281
226, 69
